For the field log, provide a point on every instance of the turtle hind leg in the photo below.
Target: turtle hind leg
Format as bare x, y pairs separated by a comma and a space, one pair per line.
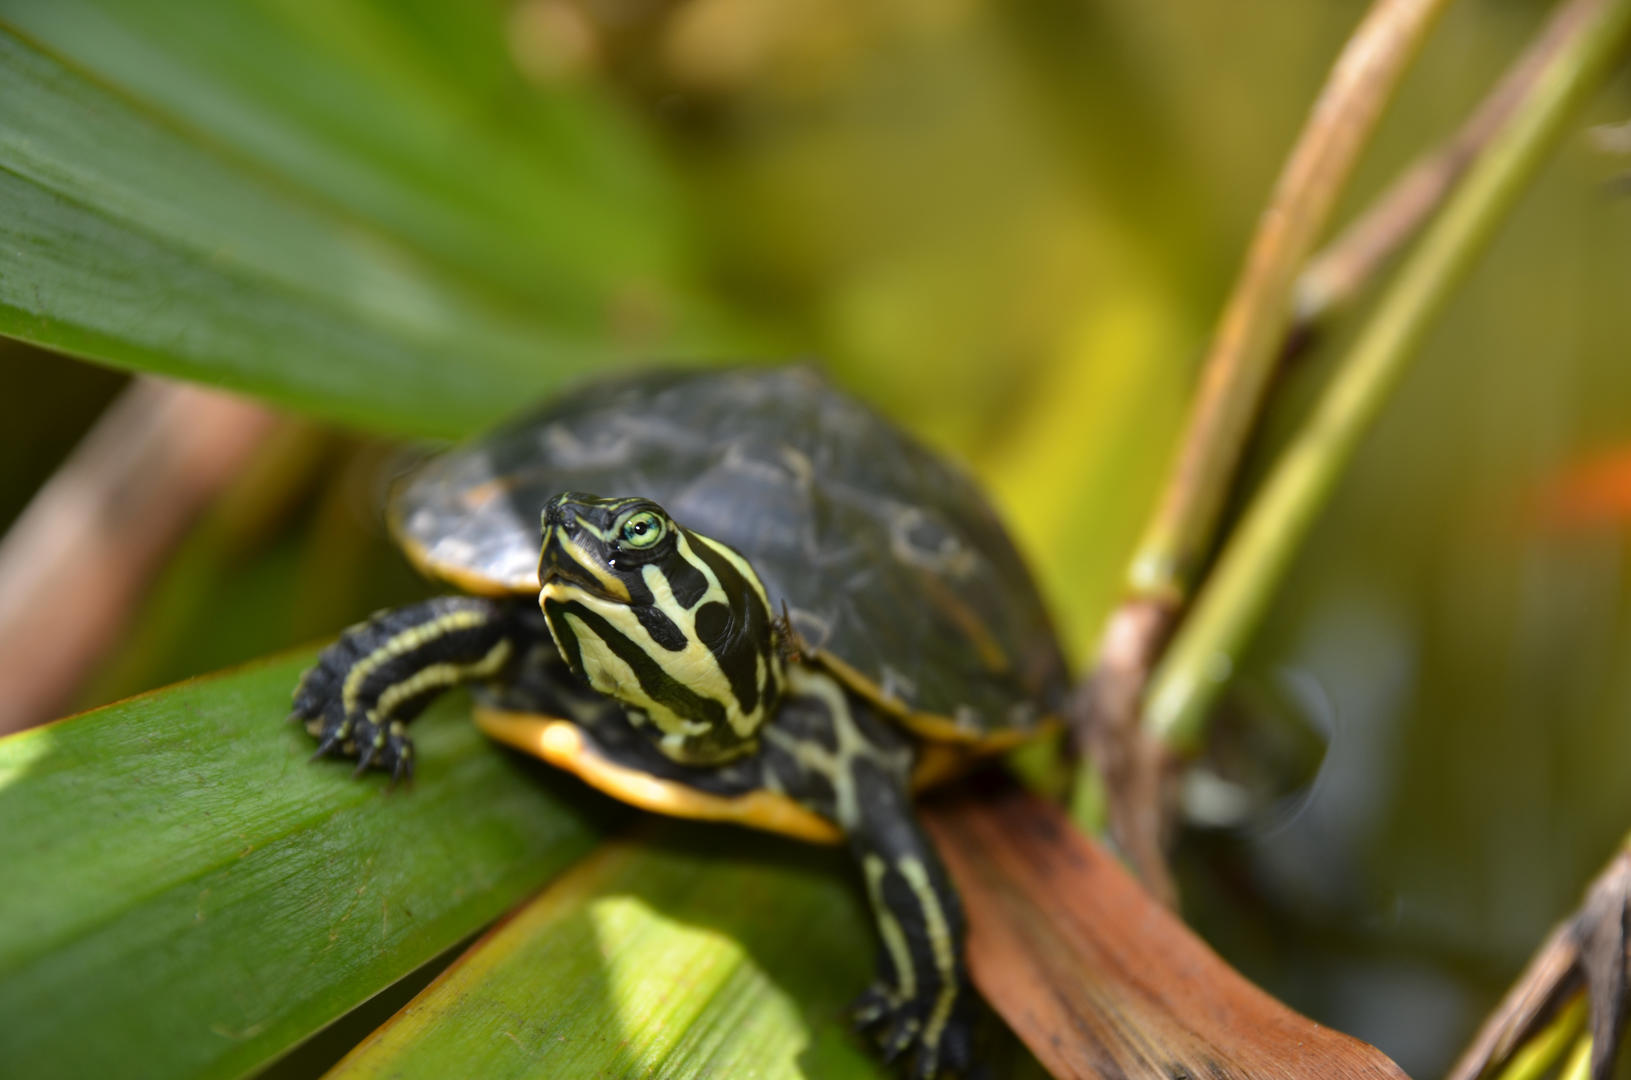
365, 687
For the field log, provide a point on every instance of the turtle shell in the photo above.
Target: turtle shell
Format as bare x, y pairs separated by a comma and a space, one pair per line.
891, 566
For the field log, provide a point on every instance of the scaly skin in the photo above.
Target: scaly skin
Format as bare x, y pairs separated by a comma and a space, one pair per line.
380, 674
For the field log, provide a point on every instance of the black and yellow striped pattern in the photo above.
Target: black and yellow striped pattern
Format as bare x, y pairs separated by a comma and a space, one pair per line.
830, 768
678, 629
382, 673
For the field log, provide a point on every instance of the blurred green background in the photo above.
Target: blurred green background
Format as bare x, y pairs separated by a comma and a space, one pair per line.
1009, 227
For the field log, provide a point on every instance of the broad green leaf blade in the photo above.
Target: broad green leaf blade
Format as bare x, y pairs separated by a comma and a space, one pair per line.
695, 951
409, 116
136, 238
664, 956
187, 897
127, 243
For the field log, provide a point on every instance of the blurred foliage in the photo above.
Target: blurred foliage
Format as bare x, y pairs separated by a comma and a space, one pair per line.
1010, 227
321, 205
53, 404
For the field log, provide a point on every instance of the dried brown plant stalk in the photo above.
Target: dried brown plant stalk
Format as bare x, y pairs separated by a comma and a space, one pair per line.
1098, 978
1346, 266
82, 553
1244, 350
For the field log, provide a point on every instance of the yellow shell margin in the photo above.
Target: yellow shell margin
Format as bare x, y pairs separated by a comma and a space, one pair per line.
464, 580
562, 743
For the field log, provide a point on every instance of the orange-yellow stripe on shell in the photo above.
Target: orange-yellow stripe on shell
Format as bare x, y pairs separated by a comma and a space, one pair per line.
562, 744
465, 580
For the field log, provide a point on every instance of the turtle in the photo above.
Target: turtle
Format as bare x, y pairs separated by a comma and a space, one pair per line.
731, 594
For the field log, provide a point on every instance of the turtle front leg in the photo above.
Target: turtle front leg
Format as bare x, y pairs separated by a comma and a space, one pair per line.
831, 750
380, 674
920, 1000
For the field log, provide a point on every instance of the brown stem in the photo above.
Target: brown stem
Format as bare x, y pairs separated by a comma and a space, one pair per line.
78, 558
1246, 344
1346, 265
1134, 768
1588, 951
1243, 353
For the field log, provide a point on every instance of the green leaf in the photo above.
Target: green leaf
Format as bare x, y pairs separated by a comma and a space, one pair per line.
540, 192
199, 899
666, 956
672, 954
331, 213
188, 897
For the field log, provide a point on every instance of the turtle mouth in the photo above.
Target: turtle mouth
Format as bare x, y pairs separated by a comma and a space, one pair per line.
550, 574
564, 567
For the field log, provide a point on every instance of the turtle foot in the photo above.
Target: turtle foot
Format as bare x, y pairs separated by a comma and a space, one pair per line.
931, 1031
320, 705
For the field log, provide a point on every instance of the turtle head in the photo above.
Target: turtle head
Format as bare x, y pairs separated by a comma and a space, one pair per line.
674, 625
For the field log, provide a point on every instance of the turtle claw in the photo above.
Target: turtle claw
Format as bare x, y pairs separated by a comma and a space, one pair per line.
899, 1037
364, 759
402, 771
870, 1008
327, 745
320, 706
897, 1026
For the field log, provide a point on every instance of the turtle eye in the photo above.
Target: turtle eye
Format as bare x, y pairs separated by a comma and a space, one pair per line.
642, 530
